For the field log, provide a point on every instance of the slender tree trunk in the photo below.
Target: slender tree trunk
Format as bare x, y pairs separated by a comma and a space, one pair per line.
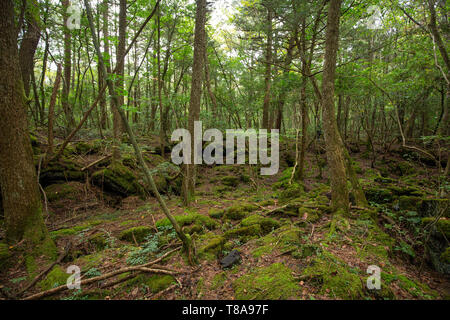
335, 153
29, 44
70, 120
196, 95
51, 111
18, 180
266, 106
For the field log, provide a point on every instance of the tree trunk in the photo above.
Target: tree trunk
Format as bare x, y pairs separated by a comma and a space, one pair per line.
70, 120
266, 106
29, 44
51, 111
196, 95
335, 153
19, 187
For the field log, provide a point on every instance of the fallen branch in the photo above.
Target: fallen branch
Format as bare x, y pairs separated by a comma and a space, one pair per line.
143, 268
96, 162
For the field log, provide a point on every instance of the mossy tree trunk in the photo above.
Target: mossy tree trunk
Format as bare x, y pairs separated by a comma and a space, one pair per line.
334, 148
19, 187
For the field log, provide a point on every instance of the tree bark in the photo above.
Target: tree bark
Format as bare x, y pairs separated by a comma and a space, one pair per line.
266, 106
70, 120
51, 110
19, 184
29, 44
335, 153
196, 95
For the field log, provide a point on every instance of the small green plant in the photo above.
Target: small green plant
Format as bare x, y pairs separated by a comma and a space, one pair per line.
92, 272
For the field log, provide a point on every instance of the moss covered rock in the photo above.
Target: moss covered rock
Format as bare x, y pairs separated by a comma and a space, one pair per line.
214, 245
155, 283
238, 212
409, 203
244, 233
61, 171
216, 213
230, 181
334, 277
274, 282
69, 190
118, 179
56, 277
138, 233
98, 240
267, 224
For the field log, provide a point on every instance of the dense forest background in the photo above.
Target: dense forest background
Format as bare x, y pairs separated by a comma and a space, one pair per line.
91, 92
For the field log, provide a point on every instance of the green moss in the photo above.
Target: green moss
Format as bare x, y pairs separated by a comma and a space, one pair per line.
218, 281
89, 261
334, 277
230, 181
267, 224
4, 254
409, 203
191, 218
118, 179
416, 289
74, 230
445, 256
378, 195
61, 171
128, 222
268, 202
238, 212
443, 225
216, 213
86, 148
62, 191
56, 277
274, 282
155, 283
138, 233
211, 245
262, 251
244, 233
98, 240
291, 192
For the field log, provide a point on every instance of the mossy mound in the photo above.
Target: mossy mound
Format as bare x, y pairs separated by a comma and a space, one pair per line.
214, 245
414, 288
87, 147
56, 277
89, 261
238, 212
293, 191
244, 233
334, 277
74, 230
61, 171
191, 218
230, 181
267, 224
274, 282
154, 283
118, 179
218, 281
98, 241
135, 233
442, 226
216, 213
69, 190
409, 203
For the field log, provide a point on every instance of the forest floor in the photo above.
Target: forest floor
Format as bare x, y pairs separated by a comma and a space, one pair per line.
281, 229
